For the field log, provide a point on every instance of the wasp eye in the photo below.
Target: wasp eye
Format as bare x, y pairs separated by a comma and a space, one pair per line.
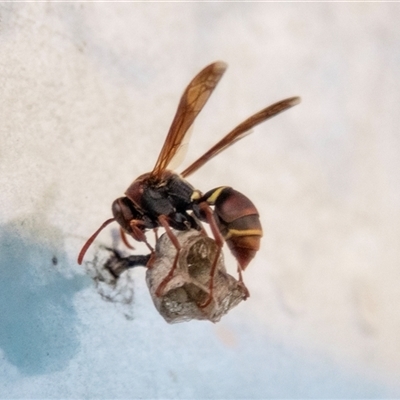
124, 211
116, 208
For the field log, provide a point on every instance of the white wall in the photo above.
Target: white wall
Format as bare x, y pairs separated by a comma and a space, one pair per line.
87, 95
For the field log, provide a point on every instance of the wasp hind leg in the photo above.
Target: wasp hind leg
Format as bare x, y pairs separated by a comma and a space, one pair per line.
164, 223
241, 283
219, 241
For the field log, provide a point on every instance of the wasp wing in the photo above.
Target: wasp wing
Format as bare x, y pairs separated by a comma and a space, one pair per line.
183, 148
241, 131
192, 101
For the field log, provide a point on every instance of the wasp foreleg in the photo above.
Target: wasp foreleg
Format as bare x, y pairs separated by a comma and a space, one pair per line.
125, 239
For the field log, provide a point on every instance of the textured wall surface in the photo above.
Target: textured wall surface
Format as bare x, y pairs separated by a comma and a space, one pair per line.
87, 95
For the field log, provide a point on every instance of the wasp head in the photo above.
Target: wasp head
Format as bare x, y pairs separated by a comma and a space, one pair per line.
124, 211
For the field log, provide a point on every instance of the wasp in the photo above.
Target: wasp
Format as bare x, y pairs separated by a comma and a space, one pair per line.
164, 198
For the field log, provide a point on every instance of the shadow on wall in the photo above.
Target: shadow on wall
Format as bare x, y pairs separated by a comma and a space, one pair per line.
37, 316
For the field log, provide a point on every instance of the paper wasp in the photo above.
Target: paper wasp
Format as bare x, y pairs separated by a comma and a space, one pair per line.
163, 198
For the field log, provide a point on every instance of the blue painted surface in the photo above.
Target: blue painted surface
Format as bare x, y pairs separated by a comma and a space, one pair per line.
60, 340
38, 332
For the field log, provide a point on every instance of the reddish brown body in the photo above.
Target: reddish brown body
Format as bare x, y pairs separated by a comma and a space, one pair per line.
162, 198
238, 221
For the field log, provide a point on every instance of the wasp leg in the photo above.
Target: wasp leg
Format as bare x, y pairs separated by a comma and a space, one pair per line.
241, 282
219, 241
164, 223
125, 239
202, 229
138, 233
152, 256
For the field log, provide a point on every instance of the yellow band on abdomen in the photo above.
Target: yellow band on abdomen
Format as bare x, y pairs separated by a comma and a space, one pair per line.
214, 196
242, 232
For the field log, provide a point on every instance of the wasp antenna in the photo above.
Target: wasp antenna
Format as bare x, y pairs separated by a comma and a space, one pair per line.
294, 101
91, 239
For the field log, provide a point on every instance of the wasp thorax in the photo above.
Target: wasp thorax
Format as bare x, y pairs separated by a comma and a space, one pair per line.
136, 189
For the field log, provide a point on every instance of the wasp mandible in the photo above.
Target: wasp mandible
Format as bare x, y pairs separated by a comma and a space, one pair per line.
163, 198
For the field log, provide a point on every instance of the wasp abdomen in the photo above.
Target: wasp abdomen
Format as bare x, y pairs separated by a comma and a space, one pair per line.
239, 222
